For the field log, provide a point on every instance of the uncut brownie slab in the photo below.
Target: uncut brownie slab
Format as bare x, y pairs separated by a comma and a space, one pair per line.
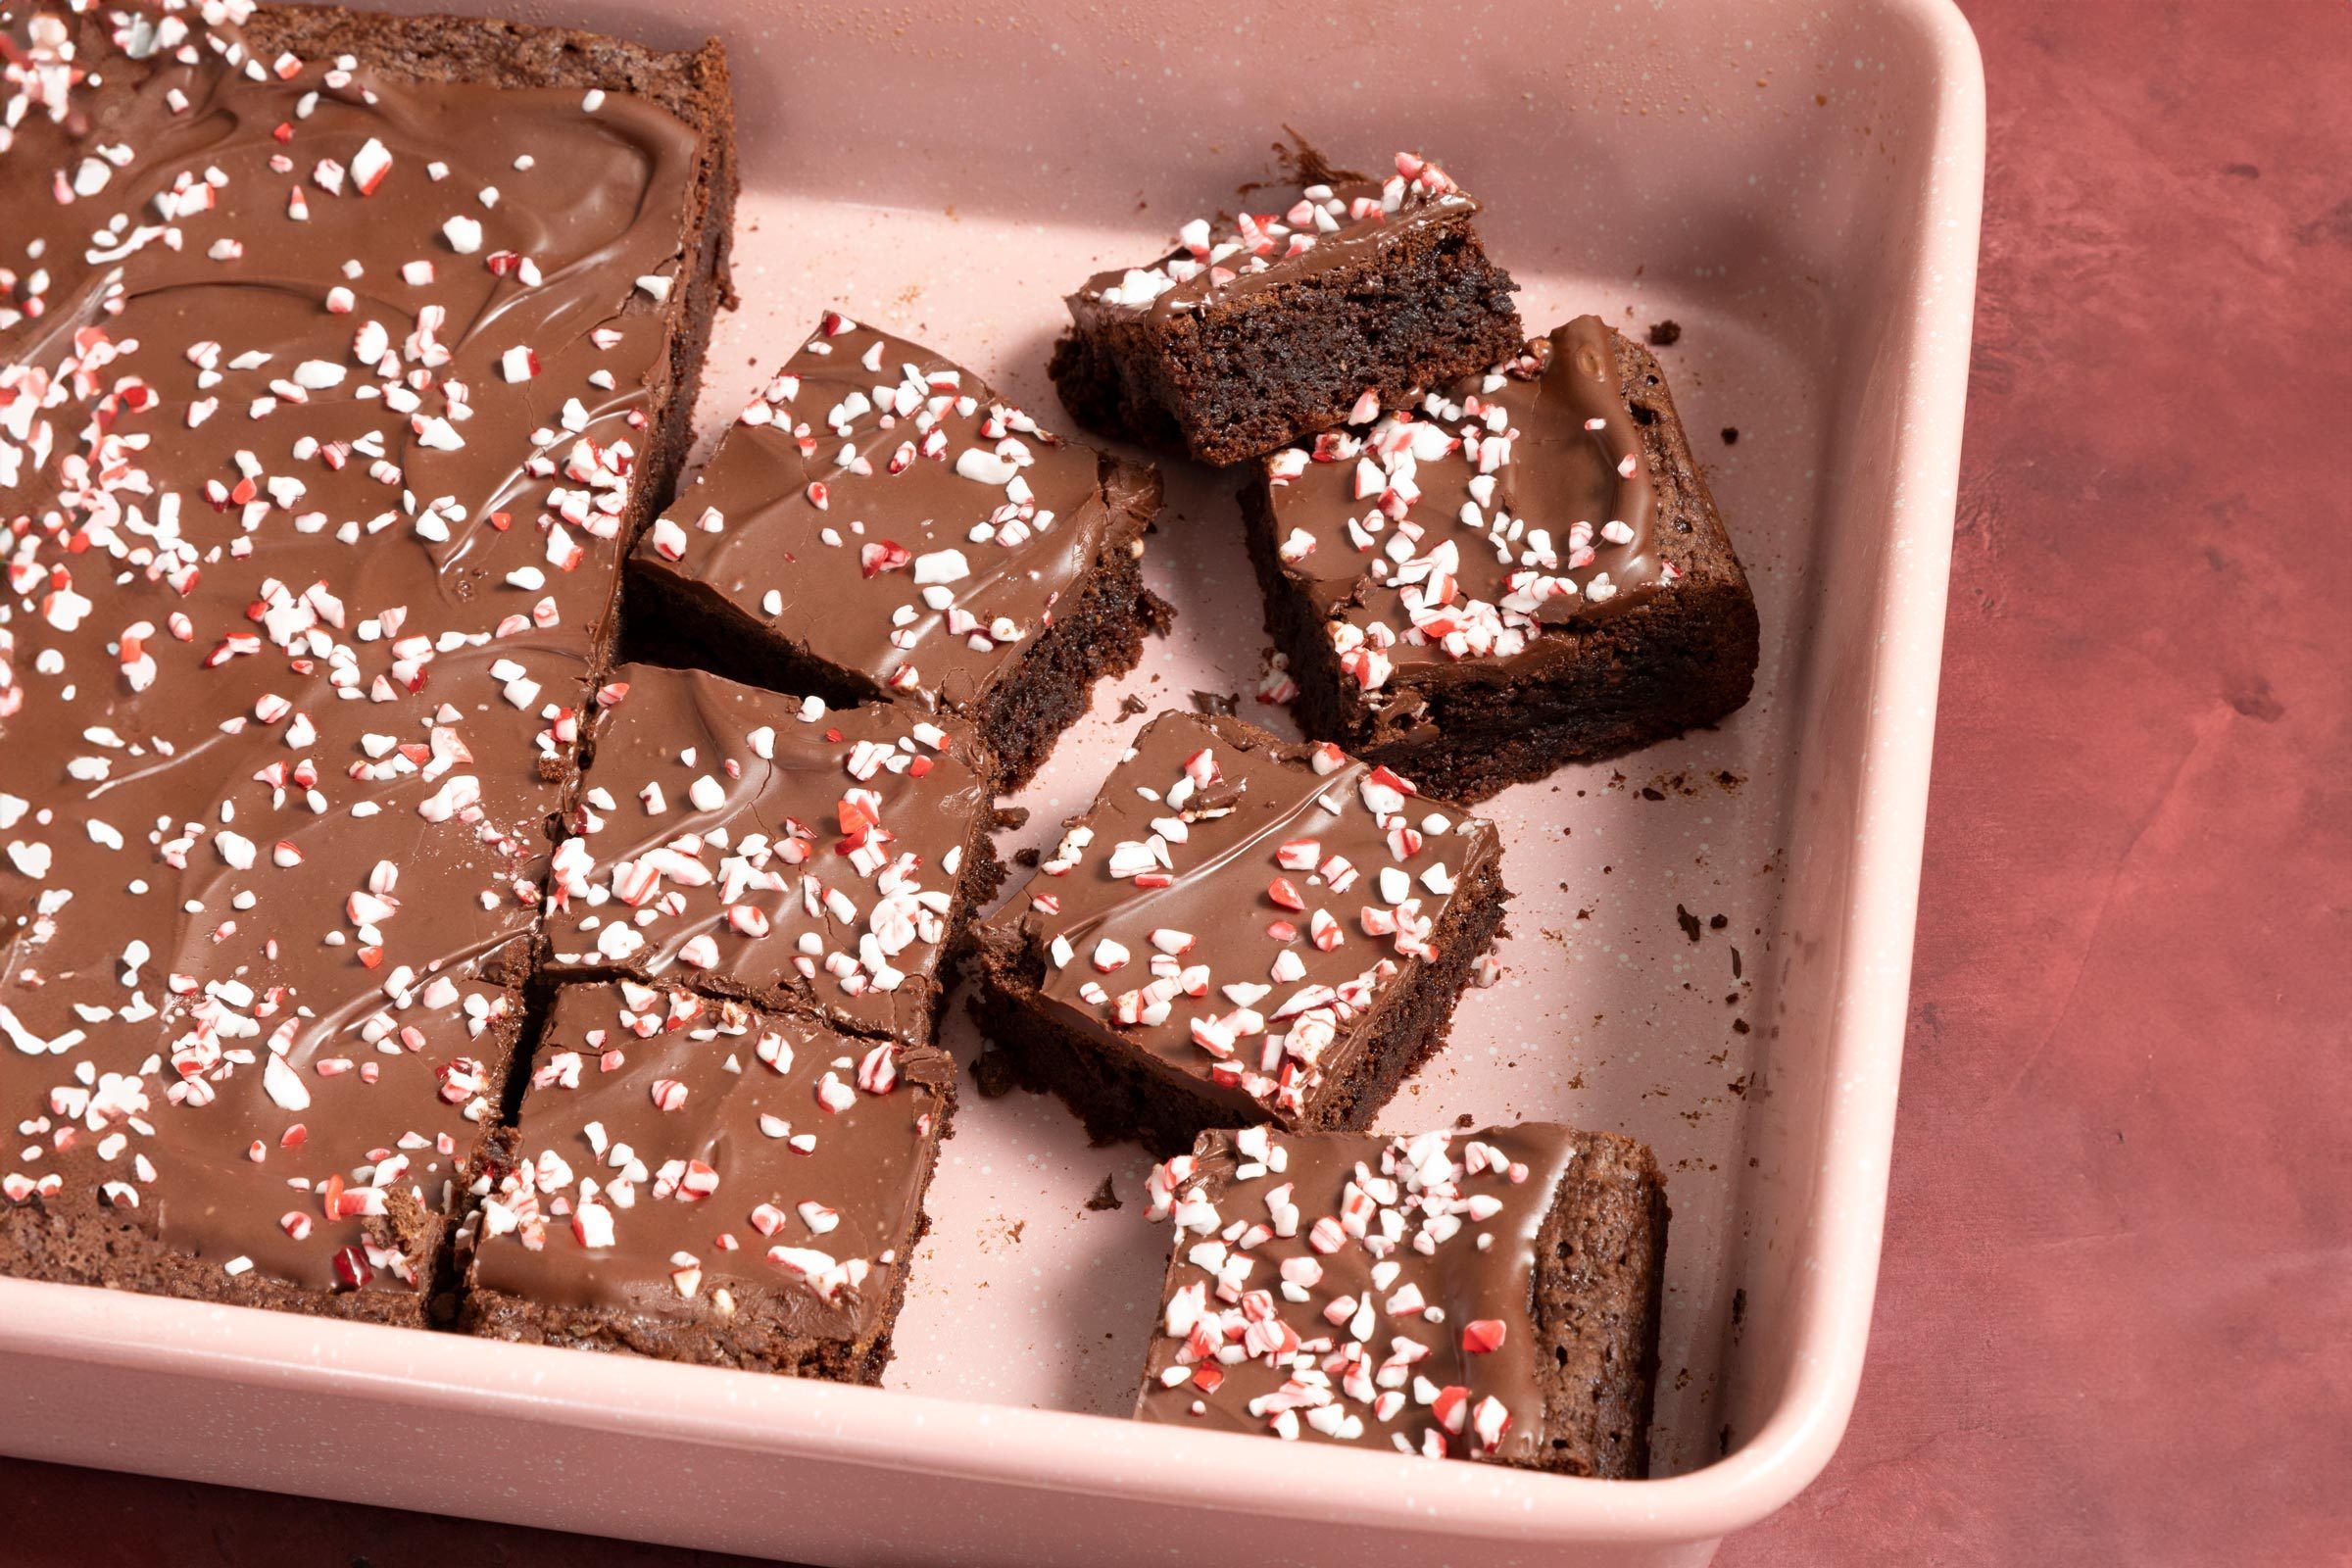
1279, 325
1490, 1295
339, 357
704, 1181
1240, 930
878, 524
762, 847
1521, 571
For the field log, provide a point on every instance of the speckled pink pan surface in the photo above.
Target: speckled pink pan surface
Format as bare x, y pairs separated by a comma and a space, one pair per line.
1711, 941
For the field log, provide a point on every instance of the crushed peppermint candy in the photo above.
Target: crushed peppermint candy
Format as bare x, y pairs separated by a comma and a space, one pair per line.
1461, 526
1354, 1287
895, 518
1237, 907
808, 856
1208, 258
655, 1134
284, 676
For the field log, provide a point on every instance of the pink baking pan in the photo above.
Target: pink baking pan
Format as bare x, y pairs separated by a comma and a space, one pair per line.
1798, 186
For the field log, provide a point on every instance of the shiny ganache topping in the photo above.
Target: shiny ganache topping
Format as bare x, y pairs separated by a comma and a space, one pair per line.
321, 391
1326, 225
885, 511
1354, 1287
1236, 907
763, 841
1459, 527
683, 1158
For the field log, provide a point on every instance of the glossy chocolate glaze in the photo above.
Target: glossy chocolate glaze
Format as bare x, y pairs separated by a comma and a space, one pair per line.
1327, 225
1448, 536
310, 554
731, 836
1240, 904
1323, 1297
683, 1159
882, 511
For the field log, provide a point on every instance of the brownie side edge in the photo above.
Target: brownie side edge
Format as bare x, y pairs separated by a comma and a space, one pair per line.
1599, 1288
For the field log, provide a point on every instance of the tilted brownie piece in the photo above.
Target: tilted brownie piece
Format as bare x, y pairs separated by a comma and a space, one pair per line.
1489, 1296
1240, 930
1522, 571
705, 1181
1240, 341
879, 524
762, 847
339, 358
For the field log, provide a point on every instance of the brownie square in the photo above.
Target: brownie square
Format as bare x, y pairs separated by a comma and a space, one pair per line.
1521, 571
1240, 930
878, 524
1251, 334
304, 592
764, 848
704, 1181
1489, 1296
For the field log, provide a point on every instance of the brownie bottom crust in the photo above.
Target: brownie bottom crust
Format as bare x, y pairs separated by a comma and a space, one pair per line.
1123, 1096
1674, 662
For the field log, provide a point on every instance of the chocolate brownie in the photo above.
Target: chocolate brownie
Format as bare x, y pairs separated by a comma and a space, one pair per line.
1240, 930
705, 1181
762, 847
340, 356
1521, 571
1489, 1296
1247, 336
879, 524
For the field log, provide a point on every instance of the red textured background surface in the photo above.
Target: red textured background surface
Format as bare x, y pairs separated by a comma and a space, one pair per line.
2115, 1323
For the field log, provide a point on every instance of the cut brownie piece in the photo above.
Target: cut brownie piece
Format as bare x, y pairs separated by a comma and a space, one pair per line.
1489, 1296
761, 847
704, 1181
1238, 342
1236, 930
879, 524
383, 332
1522, 571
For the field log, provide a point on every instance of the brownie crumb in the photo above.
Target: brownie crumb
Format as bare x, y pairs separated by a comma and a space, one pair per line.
1013, 818
1225, 704
1718, 923
1731, 435
1688, 921
1104, 1198
1027, 858
1665, 334
1465, 1120
993, 1075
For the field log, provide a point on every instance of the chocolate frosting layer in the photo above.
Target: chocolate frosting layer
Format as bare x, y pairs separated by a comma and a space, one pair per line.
1231, 907
882, 511
1457, 531
759, 844
685, 1159
1381, 1289
1330, 223
320, 392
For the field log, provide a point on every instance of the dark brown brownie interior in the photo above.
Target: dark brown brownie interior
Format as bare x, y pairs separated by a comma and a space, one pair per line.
1250, 374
